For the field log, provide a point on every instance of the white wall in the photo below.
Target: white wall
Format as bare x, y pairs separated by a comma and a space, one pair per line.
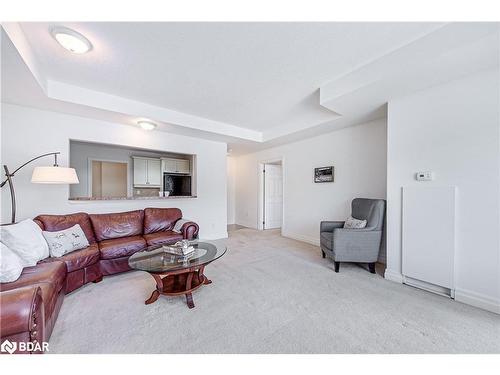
231, 190
27, 132
453, 130
359, 156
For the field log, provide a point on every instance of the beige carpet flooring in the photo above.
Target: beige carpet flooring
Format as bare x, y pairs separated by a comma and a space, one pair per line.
271, 295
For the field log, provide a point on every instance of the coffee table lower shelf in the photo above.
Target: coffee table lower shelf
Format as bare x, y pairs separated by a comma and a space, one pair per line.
176, 283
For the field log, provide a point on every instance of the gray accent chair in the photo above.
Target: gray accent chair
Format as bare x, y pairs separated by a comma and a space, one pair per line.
355, 245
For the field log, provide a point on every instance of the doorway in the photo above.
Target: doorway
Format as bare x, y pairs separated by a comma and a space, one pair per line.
108, 179
272, 193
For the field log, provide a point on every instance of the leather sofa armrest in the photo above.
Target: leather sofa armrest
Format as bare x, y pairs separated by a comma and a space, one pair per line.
329, 226
190, 230
22, 311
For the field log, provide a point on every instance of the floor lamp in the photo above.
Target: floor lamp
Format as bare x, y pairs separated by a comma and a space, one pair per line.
41, 175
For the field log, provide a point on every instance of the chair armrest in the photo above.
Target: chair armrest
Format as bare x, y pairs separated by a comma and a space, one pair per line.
357, 230
329, 226
190, 230
22, 311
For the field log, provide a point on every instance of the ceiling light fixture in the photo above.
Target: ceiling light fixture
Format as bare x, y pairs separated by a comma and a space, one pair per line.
146, 125
71, 40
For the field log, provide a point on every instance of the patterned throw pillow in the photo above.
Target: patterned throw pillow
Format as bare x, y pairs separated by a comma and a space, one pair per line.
352, 223
65, 241
178, 225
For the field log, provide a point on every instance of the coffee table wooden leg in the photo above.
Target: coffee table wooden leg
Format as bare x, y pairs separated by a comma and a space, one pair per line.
156, 293
203, 277
189, 300
189, 296
153, 298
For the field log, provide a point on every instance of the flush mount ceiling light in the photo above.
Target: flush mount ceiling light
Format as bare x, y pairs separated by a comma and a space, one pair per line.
146, 125
71, 40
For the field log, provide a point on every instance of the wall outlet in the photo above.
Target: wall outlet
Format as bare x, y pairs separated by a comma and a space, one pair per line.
424, 176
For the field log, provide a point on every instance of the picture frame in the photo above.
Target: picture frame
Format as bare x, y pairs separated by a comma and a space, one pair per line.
324, 174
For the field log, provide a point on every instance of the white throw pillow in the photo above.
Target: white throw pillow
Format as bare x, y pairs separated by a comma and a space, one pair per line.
11, 265
178, 225
65, 241
26, 240
352, 223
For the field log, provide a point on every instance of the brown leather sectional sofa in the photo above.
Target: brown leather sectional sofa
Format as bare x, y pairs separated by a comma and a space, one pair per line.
30, 305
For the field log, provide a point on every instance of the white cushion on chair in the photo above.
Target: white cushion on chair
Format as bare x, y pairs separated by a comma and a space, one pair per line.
352, 223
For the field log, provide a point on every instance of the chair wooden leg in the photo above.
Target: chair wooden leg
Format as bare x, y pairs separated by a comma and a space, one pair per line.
337, 266
371, 267
323, 254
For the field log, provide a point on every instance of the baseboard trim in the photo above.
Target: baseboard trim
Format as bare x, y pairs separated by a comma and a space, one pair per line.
477, 300
300, 237
215, 236
243, 224
393, 276
428, 287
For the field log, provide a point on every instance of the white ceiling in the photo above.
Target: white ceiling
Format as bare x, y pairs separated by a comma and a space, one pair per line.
252, 75
249, 84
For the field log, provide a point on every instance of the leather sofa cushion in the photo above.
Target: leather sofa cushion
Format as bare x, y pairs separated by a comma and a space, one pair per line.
159, 237
160, 219
326, 239
79, 259
53, 273
117, 225
112, 266
54, 223
121, 247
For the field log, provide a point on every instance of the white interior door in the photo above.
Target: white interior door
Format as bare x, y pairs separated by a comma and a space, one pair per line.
273, 196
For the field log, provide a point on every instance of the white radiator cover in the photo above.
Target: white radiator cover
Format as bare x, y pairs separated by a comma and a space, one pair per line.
428, 237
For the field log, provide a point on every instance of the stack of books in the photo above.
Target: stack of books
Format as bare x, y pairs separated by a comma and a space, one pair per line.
178, 249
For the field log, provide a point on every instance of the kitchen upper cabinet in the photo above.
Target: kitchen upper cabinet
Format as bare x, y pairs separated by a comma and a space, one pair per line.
140, 171
147, 172
176, 166
169, 165
183, 166
154, 172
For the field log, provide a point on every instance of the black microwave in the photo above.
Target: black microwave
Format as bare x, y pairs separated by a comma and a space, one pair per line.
177, 185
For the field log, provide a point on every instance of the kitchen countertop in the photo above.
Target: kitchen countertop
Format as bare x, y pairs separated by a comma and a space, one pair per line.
135, 198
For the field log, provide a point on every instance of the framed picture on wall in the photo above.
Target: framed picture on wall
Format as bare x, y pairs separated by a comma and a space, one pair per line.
323, 174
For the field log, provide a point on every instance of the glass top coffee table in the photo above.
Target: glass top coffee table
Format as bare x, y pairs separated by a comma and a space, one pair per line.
174, 274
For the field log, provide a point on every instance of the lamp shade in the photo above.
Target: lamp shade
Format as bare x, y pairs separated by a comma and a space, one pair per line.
54, 175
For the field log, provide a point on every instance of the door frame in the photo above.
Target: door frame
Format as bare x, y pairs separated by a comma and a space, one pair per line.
89, 174
260, 208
